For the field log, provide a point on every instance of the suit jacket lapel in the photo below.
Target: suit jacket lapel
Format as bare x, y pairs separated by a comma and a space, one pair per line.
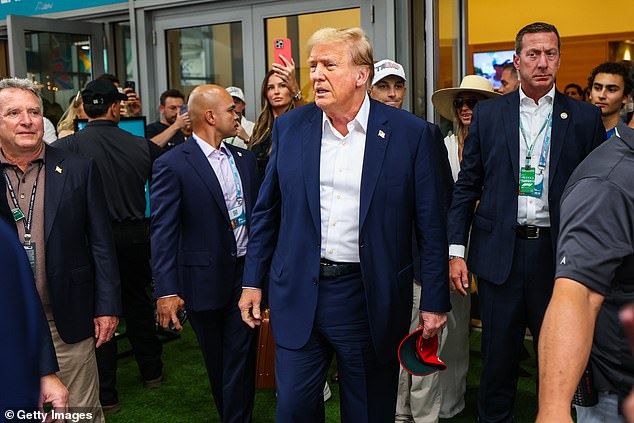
196, 158
511, 119
561, 117
55, 175
311, 154
376, 141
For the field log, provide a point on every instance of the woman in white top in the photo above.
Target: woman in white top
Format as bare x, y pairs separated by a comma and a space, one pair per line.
456, 104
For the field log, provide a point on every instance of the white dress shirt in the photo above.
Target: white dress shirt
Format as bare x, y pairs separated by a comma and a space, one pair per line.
219, 161
533, 210
530, 210
341, 165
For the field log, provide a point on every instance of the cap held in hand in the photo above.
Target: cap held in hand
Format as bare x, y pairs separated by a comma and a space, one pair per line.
419, 356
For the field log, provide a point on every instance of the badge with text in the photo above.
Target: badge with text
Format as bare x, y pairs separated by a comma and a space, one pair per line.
237, 216
17, 214
527, 181
30, 254
538, 187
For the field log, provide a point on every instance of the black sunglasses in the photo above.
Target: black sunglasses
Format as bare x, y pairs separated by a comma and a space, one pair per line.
470, 102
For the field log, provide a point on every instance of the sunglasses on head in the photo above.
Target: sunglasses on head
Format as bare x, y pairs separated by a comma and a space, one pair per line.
470, 102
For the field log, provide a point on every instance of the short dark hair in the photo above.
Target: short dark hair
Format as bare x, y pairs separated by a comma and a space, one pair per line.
615, 69
94, 111
109, 77
171, 93
535, 28
511, 67
576, 87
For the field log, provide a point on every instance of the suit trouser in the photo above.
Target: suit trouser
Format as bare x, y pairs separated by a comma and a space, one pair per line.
133, 253
455, 354
228, 348
78, 372
368, 386
505, 311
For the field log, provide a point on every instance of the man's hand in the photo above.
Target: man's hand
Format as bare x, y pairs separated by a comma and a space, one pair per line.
134, 103
242, 134
432, 323
104, 328
166, 311
53, 390
458, 276
249, 306
182, 120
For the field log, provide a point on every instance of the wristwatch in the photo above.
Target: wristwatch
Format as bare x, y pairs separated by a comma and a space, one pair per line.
455, 257
297, 96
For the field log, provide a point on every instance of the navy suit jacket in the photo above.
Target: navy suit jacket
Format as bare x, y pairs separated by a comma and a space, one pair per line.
194, 250
27, 352
81, 263
403, 185
490, 173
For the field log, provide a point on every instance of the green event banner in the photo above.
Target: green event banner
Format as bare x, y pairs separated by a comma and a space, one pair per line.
40, 7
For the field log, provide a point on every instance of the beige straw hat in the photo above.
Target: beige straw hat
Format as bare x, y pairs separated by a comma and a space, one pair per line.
443, 98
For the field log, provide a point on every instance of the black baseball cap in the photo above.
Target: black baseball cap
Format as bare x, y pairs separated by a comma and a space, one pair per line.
101, 91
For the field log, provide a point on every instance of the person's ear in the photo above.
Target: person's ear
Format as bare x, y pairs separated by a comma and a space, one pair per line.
210, 117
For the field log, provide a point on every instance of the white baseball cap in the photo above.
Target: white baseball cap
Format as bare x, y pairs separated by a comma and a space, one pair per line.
385, 68
236, 92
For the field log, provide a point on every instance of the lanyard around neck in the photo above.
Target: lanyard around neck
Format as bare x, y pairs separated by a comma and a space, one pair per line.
529, 148
18, 214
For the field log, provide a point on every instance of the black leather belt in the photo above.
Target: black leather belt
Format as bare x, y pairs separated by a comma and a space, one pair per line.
331, 269
531, 232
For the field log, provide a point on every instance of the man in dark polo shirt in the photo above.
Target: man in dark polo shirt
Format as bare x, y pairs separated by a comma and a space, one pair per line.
125, 164
168, 131
595, 264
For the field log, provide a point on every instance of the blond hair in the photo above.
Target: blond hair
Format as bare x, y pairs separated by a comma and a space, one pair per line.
360, 47
67, 121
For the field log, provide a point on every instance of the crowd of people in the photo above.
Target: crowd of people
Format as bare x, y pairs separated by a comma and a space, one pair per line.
350, 218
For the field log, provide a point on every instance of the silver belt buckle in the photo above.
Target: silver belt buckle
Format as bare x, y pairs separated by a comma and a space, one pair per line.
529, 233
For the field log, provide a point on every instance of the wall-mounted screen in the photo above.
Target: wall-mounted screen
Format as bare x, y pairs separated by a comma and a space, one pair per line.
489, 64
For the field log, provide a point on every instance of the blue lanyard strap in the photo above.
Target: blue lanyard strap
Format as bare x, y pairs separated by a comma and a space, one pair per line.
236, 175
529, 148
544, 154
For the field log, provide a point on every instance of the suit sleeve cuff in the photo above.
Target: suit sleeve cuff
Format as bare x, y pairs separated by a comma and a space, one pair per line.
457, 250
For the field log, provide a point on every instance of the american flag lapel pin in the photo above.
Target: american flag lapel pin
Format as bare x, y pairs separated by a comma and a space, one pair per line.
58, 169
381, 134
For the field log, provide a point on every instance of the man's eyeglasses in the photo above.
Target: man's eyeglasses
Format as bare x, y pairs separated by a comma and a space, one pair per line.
470, 102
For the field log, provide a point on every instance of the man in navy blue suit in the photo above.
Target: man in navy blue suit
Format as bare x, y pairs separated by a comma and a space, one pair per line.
202, 194
27, 361
348, 179
520, 151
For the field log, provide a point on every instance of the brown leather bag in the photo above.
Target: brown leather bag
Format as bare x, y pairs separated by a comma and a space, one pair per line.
265, 363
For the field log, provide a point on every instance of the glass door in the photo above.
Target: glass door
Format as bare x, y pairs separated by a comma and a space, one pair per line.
61, 55
203, 46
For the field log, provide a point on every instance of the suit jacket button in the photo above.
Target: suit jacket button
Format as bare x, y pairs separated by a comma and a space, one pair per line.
361, 245
315, 281
233, 254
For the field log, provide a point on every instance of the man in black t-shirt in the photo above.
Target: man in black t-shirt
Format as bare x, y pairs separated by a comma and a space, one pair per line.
595, 268
125, 164
168, 132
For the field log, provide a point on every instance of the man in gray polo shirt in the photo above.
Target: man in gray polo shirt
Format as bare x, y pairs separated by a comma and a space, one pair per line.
595, 264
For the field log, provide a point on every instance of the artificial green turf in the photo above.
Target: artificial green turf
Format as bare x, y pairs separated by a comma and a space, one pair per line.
185, 395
